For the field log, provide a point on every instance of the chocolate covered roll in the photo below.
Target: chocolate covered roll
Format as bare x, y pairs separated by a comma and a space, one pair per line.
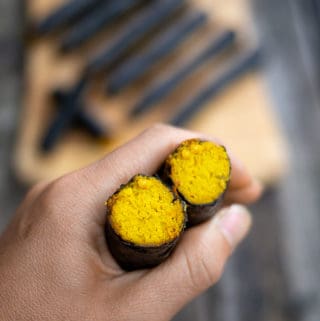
144, 222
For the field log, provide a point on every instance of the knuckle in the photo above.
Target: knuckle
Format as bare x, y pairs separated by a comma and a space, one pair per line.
37, 187
60, 201
52, 200
35, 190
52, 190
192, 274
55, 215
159, 127
57, 187
210, 271
203, 270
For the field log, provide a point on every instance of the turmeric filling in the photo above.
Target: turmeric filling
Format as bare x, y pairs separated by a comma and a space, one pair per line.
200, 170
144, 212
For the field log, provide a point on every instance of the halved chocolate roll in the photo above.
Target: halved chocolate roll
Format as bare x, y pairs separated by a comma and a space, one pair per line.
144, 222
199, 171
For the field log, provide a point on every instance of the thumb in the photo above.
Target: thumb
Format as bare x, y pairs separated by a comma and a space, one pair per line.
198, 261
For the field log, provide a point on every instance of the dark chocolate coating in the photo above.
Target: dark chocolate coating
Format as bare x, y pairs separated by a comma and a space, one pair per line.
132, 257
200, 213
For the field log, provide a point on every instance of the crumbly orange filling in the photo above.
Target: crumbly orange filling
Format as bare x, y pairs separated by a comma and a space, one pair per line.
200, 170
145, 212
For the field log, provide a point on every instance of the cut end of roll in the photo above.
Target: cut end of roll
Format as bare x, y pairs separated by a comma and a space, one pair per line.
200, 171
146, 213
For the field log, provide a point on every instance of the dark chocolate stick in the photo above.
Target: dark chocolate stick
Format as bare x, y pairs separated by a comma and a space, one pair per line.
215, 87
160, 47
66, 13
82, 118
164, 88
90, 124
94, 22
147, 20
64, 117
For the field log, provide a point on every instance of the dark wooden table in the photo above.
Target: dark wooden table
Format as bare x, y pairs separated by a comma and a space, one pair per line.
275, 274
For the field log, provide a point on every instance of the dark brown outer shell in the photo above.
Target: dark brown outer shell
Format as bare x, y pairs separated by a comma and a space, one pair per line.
200, 213
132, 257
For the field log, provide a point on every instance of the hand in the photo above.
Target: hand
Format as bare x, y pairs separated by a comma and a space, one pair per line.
55, 264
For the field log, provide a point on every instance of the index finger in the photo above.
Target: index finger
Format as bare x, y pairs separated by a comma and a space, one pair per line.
143, 155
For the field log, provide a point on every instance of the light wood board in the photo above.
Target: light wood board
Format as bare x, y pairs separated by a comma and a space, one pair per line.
241, 116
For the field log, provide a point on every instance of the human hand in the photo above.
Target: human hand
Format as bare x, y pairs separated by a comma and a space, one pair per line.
55, 264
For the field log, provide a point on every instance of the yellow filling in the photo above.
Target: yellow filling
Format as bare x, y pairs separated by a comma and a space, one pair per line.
200, 170
144, 212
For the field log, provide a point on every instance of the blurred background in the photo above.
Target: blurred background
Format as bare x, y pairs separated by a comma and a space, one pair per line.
275, 274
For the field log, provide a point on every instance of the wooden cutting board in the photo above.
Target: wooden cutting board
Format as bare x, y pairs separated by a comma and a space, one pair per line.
241, 116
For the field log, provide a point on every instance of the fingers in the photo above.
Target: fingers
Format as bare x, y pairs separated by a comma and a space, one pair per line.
34, 192
240, 177
198, 261
144, 154
242, 188
244, 195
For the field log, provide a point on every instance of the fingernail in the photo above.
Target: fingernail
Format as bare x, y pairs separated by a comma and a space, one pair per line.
234, 222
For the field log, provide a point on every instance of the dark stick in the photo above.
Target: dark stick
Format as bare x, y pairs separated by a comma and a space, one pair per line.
94, 22
64, 117
82, 118
160, 47
151, 17
66, 13
164, 88
90, 124
215, 87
